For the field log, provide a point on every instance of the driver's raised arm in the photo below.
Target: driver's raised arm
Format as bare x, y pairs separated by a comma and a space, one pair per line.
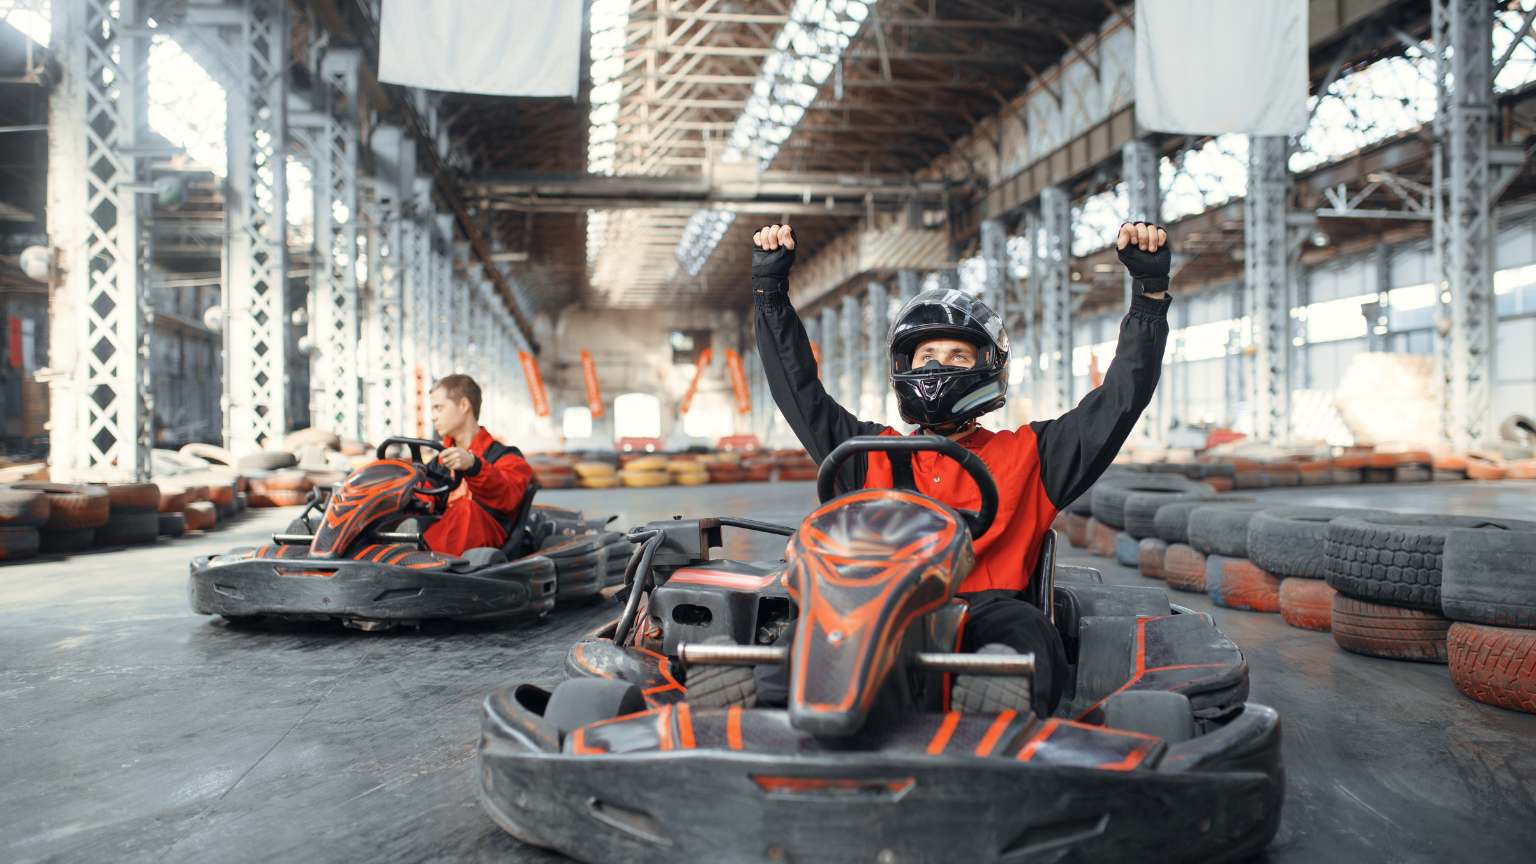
788, 362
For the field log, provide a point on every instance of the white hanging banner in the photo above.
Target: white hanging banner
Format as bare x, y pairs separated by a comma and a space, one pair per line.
501, 48
1204, 67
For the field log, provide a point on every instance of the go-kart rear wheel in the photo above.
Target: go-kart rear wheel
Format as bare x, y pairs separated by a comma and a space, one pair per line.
712, 686
989, 694
580, 701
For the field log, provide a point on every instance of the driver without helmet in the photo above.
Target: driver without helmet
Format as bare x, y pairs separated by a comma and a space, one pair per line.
949, 365
480, 511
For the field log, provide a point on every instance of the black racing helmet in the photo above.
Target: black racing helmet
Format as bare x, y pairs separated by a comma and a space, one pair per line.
942, 398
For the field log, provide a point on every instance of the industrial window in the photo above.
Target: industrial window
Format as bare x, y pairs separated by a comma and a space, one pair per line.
576, 423
637, 415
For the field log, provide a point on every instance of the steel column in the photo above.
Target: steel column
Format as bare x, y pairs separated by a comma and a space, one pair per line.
1140, 166
877, 364
1023, 327
831, 356
99, 354
1054, 264
256, 246
994, 255
908, 284
1468, 233
385, 416
334, 373
849, 379
1267, 263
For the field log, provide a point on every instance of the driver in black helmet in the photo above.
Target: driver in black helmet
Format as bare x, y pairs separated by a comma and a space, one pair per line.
949, 366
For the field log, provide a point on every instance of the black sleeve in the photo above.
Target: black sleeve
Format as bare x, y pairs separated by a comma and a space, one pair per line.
1076, 447
817, 420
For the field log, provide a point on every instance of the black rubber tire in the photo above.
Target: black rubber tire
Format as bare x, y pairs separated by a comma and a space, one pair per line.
1082, 505
1222, 528
1141, 510
1288, 541
172, 524
129, 528
23, 508
580, 701
18, 542
1159, 713
1172, 521
1109, 499
721, 686
1487, 578
1395, 558
1412, 474
65, 540
991, 694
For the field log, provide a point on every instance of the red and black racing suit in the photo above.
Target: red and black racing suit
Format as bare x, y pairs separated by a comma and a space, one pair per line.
1039, 469
481, 509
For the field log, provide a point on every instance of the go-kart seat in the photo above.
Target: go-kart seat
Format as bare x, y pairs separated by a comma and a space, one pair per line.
1041, 590
519, 541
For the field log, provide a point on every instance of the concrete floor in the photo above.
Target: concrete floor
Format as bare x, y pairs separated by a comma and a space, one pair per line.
132, 730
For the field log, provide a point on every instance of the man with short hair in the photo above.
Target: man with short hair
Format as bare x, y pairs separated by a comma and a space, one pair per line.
949, 366
495, 476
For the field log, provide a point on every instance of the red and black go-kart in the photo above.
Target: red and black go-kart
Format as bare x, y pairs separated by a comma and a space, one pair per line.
893, 746
361, 560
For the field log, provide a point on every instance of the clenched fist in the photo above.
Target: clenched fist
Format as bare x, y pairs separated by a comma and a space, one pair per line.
456, 459
1143, 249
773, 254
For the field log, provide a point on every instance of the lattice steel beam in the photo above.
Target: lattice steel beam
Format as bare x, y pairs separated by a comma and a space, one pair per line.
1053, 263
99, 353
382, 322
1141, 168
1267, 264
831, 353
335, 370
256, 306
1469, 228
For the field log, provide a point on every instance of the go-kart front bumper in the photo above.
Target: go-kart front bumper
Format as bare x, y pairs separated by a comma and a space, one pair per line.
710, 796
363, 592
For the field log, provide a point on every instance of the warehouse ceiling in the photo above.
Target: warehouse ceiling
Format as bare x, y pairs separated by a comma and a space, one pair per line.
909, 78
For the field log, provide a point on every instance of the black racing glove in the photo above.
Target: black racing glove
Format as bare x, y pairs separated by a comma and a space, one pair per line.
770, 269
1149, 270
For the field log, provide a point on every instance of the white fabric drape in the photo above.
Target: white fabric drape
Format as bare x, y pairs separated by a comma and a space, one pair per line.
496, 47
1210, 66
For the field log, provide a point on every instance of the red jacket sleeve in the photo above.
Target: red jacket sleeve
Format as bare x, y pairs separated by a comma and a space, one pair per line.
500, 486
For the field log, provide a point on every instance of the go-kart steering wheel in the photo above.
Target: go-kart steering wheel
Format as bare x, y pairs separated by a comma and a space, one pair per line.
431, 470
979, 521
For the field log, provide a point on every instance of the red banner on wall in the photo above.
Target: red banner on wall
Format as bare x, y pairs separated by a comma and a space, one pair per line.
739, 382
535, 383
699, 365
594, 392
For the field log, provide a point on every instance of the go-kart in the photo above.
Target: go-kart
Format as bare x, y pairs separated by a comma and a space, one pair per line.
656, 748
359, 557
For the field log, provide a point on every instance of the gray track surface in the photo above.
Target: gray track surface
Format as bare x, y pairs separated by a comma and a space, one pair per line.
132, 730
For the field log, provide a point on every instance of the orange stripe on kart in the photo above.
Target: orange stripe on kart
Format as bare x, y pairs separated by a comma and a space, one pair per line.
995, 733
733, 727
684, 726
946, 731
1028, 751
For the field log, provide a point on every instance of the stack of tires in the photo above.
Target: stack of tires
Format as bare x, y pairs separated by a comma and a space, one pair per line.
75, 512
1141, 525
1387, 569
1106, 533
645, 472
1488, 589
1289, 543
1220, 532
687, 471
170, 511
596, 475
133, 515
1183, 565
22, 513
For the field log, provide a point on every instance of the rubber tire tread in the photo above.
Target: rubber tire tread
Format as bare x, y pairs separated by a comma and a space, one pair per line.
1487, 578
1101, 539
1150, 554
133, 496
1391, 632
172, 524
1494, 665
991, 694
1222, 529
1307, 604
1288, 541
129, 528
23, 508
66, 540
1109, 499
1141, 510
713, 686
75, 507
1413, 544
18, 542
